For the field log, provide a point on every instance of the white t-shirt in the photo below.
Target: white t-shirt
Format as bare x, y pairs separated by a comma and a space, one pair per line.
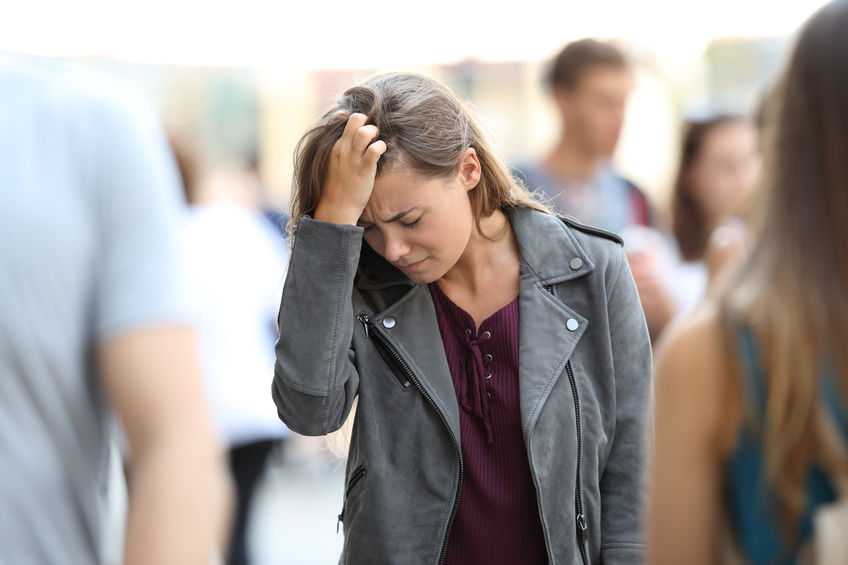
89, 204
236, 263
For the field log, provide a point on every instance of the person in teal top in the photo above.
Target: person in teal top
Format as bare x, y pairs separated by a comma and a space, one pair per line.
751, 386
751, 504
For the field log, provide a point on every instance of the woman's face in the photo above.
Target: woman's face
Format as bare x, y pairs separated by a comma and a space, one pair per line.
421, 226
726, 167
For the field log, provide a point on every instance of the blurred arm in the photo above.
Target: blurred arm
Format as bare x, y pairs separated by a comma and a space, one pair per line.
178, 491
685, 508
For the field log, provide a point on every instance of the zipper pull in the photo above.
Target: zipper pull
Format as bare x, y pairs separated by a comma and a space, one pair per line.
582, 526
363, 318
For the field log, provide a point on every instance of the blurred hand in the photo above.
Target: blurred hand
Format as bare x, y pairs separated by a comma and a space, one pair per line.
726, 246
657, 302
349, 179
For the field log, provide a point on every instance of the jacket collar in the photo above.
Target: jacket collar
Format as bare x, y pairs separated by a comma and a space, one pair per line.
546, 247
375, 273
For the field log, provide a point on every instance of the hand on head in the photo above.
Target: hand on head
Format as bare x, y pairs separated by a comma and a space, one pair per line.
350, 174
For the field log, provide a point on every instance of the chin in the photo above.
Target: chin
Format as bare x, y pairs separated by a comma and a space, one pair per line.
422, 278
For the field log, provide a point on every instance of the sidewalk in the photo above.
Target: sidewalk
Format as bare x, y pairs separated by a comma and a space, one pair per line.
297, 504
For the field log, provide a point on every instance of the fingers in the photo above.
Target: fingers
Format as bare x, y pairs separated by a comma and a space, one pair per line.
363, 138
354, 122
358, 137
374, 151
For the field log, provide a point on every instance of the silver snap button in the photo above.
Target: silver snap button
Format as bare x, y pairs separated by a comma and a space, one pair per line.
487, 334
489, 376
388, 323
576, 263
489, 358
571, 324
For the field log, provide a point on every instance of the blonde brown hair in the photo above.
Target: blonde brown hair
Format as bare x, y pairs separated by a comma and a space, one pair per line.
427, 129
793, 289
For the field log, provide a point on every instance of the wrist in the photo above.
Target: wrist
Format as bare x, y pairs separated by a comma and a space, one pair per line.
337, 214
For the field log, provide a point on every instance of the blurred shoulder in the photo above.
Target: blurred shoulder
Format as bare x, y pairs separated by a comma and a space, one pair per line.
74, 94
695, 386
691, 366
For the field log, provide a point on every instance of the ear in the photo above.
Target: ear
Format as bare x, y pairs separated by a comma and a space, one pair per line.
469, 169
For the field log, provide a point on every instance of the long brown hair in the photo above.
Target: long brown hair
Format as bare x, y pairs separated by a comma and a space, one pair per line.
793, 289
426, 127
690, 223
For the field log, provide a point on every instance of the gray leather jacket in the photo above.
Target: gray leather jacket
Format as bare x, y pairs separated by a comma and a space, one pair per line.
354, 326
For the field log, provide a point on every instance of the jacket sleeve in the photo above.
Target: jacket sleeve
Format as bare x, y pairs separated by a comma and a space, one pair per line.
623, 483
315, 381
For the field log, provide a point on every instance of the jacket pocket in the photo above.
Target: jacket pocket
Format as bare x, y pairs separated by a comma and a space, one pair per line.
394, 369
387, 352
355, 478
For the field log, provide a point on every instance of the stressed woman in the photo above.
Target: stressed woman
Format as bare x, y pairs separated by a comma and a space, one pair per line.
498, 353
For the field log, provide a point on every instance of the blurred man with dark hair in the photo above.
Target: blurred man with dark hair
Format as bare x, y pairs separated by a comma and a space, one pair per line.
590, 82
92, 320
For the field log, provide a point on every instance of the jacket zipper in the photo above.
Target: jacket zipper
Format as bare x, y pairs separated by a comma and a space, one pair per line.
371, 331
357, 475
386, 351
580, 519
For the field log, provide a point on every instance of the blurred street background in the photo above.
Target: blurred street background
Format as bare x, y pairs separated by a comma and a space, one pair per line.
236, 84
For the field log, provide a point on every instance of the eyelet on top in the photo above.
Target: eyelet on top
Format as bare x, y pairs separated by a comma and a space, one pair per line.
487, 335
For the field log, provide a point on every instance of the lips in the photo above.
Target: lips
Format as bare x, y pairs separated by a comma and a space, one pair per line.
411, 266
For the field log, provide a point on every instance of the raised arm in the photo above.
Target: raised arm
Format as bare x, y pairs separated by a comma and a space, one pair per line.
315, 381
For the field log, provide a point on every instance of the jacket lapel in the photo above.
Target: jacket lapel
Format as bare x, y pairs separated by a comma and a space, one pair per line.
414, 332
545, 344
548, 328
414, 329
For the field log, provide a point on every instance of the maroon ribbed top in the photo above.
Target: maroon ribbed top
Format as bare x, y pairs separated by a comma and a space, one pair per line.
497, 521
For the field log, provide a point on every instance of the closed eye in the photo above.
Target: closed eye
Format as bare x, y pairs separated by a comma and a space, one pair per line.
410, 225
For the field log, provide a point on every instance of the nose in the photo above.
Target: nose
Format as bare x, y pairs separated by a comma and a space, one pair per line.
395, 247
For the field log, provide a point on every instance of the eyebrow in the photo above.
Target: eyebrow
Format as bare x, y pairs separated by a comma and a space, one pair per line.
394, 218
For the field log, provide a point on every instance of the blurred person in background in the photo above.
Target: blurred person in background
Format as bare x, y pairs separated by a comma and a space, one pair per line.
498, 355
236, 263
590, 82
92, 320
719, 164
752, 397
